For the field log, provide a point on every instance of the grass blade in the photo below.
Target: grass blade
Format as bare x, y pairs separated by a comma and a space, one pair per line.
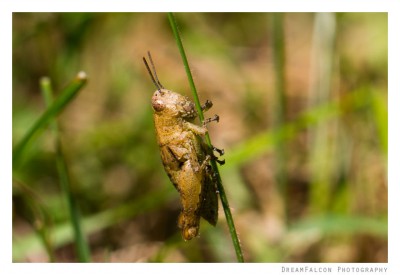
82, 246
52, 111
279, 107
343, 224
40, 220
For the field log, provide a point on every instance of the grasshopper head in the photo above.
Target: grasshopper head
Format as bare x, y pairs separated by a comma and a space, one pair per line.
167, 102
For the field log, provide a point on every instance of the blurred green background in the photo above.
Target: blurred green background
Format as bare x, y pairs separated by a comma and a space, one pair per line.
302, 100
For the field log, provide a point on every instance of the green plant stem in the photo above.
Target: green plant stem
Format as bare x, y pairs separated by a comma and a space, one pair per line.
222, 194
278, 49
40, 217
82, 246
174, 27
324, 160
53, 110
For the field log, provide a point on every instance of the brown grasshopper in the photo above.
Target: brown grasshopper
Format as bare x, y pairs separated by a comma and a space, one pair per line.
185, 156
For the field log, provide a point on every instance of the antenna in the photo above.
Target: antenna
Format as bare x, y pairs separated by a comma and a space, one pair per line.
154, 69
153, 74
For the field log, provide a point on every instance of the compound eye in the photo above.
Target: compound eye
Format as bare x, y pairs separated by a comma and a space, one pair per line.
158, 105
157, 102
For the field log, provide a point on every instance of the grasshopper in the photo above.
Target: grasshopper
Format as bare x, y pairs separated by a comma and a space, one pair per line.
185, 155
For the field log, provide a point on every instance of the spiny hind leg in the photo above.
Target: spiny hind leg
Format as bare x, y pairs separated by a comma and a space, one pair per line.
190, 183
179, 152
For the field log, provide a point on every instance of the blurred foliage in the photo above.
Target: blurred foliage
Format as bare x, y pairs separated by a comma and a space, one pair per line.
333, 130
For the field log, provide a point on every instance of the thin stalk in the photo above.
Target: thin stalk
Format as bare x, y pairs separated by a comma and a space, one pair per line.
40, 217
82, 247
278, 49
221, 189
52, 111
325, 160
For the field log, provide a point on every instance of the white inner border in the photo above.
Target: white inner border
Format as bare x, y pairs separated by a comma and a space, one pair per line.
9, 6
